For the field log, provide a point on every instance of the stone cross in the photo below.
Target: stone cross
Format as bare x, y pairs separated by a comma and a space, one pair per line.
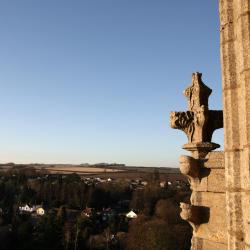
198, 122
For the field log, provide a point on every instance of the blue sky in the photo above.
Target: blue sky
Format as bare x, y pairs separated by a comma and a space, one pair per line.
95, 80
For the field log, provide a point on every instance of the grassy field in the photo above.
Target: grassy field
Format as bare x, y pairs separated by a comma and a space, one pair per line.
81, 170
116, 172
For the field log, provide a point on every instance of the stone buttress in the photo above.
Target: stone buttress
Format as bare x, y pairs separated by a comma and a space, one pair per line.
204, 168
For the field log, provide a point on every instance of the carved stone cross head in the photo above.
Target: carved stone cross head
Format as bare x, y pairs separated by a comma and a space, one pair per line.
199, 122
198, 93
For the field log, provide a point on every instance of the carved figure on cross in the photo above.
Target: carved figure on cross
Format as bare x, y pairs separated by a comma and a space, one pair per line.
198, 122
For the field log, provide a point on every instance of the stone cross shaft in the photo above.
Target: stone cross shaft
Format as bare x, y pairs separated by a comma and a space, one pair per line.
198, 122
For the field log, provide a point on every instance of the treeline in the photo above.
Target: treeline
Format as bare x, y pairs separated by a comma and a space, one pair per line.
74, 193
29, 186
159, 225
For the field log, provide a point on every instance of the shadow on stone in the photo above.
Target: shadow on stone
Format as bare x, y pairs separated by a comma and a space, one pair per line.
204, 172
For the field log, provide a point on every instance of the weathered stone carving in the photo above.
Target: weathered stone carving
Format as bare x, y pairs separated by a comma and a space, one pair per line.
195, 215
189, 166
199, 122
198, 125
191, 214
198, 93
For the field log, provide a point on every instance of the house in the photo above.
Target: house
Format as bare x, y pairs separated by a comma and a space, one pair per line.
27, 208
163, 184
40, 211
131, 215
87, 212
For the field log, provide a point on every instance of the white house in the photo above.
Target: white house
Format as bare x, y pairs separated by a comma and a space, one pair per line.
87, 212
40, 211
30, 209
27, 208
131, 215
163, 184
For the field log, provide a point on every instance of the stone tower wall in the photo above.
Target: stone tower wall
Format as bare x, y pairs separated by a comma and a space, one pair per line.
235, 61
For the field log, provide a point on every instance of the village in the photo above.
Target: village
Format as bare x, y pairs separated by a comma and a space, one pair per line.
137, 184
72, 203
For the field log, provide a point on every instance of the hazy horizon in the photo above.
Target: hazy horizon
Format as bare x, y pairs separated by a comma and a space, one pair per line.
82, 164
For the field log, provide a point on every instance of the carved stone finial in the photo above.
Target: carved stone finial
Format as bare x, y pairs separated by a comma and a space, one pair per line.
199, 122
198, 93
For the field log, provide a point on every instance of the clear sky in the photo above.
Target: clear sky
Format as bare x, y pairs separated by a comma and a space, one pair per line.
95, 80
